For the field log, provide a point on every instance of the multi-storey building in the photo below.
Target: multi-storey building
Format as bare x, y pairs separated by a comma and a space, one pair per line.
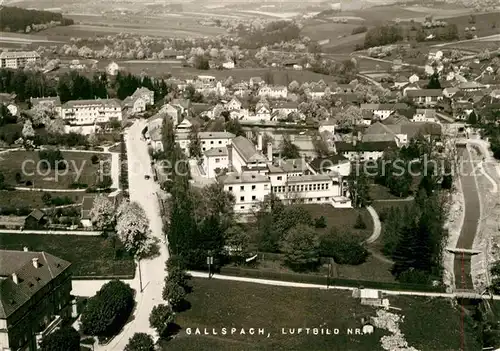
249, 190
18, 59
35, 295
208, 140
91, 112
274, 92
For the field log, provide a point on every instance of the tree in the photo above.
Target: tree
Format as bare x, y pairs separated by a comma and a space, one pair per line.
348, 118
359, 189
472, 119
102, 213
55, 126
201, 62
107, 311
47, 198
132, 227
28, 131
234, 126
320, 146
140, 342
434, 82
301, 248
194, 143
360, 223
63, 339
160, 318
289, 149
168, 137
344, 248
52, 159
237, 240
41, 114
174, 294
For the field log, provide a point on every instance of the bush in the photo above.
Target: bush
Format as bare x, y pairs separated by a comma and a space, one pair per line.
52, 159
94, 159
76, 185
360, 29
140, 342
320, 222
360, 223
107, 312
343, 248
63, 339
174, 294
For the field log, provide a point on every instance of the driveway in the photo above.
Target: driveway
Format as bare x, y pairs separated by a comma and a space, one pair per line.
152, 271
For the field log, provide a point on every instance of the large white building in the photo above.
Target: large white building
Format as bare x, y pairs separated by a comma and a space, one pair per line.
91, 112
208, 140
252, 176
18, 59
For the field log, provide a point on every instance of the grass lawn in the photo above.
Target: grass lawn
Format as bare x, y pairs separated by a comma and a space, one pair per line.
217, 304
342, 219
379, 192
80, 169
90, 255
33, 199
372, 270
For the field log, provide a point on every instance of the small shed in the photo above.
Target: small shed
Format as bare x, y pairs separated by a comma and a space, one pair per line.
35, 220
370, 297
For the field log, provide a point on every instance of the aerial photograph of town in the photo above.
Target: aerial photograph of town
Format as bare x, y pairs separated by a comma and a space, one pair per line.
250, 175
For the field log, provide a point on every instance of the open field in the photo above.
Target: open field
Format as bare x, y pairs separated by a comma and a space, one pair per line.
218, 303
156, 69
80, 169
33, 199
90, 255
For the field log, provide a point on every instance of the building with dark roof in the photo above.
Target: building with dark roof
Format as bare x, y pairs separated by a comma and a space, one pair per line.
364, 151
35, 295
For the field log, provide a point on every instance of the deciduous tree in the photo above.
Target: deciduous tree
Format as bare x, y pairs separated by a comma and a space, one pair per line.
301, 247
63, 339
140, 342
132, 227
160, 318
102, 213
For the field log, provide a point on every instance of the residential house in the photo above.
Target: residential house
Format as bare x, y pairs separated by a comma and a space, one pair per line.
413, 78
316, 93
327, 126
215, 160
134, 105
243, 156
184, 106
35, 220
174, 112
365, 150
207, 79
147, 95
256, 82
53, 102
400, 81
273, 92
450, 92
401, 133
185, 126
35, 297
471, 86
425, 115
285, 107
462, 110
263, 111
18, 59
237, 109
425, 97
382, 111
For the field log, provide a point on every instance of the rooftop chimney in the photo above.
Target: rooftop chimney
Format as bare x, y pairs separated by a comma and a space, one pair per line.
25, 249
270, 151
35, 262
259, 142
15, 278
229, 157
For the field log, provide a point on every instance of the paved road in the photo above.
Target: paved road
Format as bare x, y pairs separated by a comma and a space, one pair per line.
463, 278
153, 271
377, 226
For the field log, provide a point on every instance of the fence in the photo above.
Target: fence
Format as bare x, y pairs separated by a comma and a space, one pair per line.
324, 280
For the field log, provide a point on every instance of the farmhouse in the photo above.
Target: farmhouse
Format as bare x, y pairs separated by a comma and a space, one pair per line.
425, 97
274, 92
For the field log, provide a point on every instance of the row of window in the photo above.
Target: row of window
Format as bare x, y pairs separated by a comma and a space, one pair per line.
211, 142
242, 198
302, 187
242, 188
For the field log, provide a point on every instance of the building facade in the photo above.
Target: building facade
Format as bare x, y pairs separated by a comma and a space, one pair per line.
18, 59
90, 112
35, 296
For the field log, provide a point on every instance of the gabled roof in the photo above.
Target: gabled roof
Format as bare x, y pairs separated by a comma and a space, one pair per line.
55, 100
36, 214
215, 135
30, 279
18, 54
319, 164
247, 150
241, 178
424, 92
365, 146
216, 151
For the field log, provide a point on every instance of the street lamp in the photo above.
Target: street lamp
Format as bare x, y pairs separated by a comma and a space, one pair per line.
210, 262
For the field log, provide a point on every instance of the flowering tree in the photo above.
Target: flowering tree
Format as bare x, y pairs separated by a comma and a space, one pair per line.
28, 131
132, 228
42, 114
55, 126
102, 214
